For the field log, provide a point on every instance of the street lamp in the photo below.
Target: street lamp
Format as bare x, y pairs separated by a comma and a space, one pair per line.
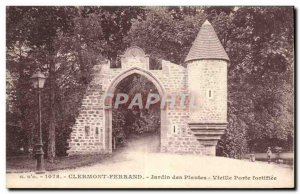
38, 80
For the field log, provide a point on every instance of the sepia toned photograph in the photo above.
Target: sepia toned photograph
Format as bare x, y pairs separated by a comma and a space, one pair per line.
150, 97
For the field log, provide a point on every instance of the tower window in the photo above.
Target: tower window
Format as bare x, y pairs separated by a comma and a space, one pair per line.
210, 94
174, 129
97, 131
87, 130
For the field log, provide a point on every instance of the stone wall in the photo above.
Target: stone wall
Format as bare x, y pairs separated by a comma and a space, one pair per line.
207, 80
88, 132
91, 132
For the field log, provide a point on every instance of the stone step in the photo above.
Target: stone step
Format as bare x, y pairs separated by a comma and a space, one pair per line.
204, 137
209, 132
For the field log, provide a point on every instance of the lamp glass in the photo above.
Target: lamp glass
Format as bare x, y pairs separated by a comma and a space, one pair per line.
41, 82
38, 79
35, 82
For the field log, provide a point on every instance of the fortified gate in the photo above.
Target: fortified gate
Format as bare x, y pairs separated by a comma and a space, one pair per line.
197, 130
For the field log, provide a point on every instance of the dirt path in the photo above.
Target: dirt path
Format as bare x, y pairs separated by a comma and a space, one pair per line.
143, 143
161, 170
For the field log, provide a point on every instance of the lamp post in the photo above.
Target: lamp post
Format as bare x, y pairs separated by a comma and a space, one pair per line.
38, 79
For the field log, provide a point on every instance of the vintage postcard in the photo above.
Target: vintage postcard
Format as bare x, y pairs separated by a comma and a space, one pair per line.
149, 97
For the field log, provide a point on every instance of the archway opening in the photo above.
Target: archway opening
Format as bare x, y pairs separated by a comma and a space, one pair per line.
136, 126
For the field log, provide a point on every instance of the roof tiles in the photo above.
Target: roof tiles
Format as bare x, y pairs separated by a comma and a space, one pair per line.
207, 45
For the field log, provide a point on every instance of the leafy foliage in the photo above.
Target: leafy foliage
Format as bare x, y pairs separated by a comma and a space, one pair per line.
65, 42
259, 42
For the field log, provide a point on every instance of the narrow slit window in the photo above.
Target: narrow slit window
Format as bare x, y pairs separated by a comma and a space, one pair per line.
87, 130
97, 131
210, 94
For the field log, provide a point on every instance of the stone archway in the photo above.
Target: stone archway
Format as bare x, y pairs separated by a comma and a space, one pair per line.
190, 130
111, 90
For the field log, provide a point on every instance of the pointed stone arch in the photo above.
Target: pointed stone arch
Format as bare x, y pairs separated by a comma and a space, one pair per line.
108, 111
136, 70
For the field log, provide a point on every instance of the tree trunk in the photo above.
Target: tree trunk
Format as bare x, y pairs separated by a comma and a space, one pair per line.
51, 137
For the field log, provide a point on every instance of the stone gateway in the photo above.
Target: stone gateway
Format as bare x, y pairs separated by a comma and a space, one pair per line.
197, 130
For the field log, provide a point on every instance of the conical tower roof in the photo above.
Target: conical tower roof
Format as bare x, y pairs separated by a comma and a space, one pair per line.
207, 45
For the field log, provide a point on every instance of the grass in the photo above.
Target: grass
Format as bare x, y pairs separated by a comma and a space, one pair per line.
20, 164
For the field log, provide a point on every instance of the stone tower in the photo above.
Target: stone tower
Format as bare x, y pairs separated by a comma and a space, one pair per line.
206, 65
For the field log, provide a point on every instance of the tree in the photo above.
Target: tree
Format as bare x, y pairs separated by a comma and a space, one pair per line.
163, 36
37, 28
261, 60
65, 42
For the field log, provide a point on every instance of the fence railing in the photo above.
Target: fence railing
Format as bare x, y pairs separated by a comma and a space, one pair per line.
283, 155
